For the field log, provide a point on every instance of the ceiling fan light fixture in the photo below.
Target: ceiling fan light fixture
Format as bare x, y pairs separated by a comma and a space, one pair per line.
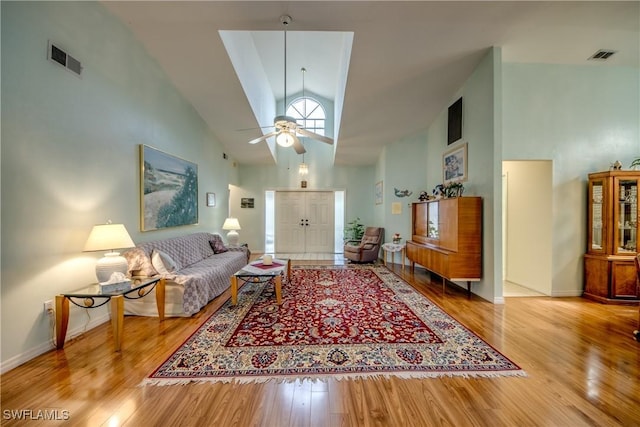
285, 139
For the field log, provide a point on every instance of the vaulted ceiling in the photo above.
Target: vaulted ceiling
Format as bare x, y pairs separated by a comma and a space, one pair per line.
406, 61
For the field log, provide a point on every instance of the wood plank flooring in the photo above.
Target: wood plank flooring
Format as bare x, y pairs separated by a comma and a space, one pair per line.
582, 362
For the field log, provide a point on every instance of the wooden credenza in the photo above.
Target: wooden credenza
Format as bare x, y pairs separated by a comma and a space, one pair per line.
447, 238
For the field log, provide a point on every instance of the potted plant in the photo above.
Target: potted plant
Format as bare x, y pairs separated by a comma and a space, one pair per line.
635, 164
354, 231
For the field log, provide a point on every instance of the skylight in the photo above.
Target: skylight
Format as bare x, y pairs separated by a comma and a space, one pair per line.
258, 60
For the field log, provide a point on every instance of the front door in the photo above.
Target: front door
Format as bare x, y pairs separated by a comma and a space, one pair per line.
304, 221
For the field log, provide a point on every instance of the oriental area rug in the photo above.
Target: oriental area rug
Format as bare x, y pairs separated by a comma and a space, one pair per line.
334, 322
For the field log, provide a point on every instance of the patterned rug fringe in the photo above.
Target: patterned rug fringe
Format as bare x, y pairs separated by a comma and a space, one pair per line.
326, 378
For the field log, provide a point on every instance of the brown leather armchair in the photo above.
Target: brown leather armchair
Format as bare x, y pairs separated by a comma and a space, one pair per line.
368, 248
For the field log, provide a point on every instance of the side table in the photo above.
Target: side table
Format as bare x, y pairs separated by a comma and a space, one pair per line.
393, 248
93, 297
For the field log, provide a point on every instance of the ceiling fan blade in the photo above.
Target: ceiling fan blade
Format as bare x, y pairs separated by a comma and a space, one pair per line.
312, 135
297, 145
263, 137
255, 128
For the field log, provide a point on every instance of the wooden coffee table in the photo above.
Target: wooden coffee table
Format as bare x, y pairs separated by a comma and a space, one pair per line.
257, 272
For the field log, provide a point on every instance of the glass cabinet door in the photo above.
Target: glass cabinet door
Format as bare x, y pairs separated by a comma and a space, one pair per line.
433, 231
625, 215
597, 216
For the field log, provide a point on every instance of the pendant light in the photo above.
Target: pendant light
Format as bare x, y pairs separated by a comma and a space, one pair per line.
303, 169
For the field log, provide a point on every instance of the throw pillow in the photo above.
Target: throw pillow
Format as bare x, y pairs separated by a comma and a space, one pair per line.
162, 262
217, 246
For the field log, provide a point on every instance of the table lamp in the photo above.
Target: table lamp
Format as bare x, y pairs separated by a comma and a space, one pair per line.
232, 224
107, 237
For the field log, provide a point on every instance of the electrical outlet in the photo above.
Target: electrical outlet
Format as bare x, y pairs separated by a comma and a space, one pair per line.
48, 307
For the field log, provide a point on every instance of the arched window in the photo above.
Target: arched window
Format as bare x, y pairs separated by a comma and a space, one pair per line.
308, 113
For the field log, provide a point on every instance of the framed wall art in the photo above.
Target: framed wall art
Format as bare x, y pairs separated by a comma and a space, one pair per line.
454, 164
454, 122
378, 192
211, 200
168, 190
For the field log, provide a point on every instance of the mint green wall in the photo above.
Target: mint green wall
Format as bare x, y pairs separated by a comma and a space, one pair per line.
405, 168
415, 163
358, 183
70, 156
583, 118
480, 111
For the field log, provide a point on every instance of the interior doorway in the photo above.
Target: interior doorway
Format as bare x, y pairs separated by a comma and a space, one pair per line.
527, 227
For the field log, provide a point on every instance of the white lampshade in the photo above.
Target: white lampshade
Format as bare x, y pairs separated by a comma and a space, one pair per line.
284, 139
107, 237
303, 169
232, 224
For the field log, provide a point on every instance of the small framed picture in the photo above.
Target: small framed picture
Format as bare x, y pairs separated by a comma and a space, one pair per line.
379, 193
211, 200
247, 202
454, 164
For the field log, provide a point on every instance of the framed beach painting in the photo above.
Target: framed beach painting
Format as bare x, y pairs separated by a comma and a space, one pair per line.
168, 191
454, 164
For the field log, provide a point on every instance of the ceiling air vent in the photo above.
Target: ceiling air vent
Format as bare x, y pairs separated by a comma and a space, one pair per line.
56, 54
602, 55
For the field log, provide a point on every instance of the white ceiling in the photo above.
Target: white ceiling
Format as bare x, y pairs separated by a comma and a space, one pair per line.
408, 58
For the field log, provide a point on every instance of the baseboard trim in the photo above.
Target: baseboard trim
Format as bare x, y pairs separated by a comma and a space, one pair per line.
571, 293
36, 351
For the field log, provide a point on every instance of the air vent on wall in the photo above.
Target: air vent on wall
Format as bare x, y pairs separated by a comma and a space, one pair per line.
602, 55
57, 55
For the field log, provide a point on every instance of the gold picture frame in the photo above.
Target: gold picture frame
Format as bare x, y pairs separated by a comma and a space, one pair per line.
168, 190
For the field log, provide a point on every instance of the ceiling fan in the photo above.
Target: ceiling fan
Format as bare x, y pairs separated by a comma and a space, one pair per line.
286, 127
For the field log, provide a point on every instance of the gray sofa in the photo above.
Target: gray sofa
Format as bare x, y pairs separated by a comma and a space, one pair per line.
196, 273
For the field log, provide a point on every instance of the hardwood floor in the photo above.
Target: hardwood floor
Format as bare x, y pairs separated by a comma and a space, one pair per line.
582, 362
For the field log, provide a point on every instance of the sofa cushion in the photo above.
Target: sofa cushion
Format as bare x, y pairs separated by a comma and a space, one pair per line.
162, 262
217, 244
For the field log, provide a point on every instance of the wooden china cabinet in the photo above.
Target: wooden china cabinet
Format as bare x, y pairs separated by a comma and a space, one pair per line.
612, 237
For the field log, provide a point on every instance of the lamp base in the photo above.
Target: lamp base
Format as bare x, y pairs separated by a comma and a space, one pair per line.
112, 262
233, 238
